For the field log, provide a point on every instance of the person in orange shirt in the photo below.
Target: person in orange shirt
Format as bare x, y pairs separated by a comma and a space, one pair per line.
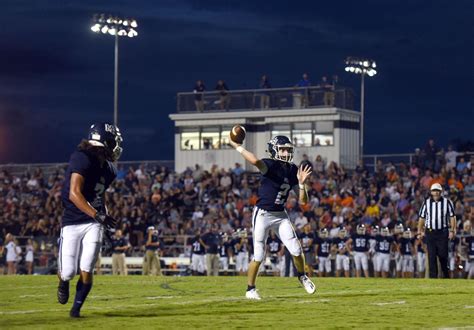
452, 181
437, 179
347, 200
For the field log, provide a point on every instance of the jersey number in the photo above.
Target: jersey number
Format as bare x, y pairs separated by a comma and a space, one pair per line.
281, 197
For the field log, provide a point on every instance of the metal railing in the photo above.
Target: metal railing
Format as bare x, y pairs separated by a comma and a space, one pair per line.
265, 99
52, 168
370, 161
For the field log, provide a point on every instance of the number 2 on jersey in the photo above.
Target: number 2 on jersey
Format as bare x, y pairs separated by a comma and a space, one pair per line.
281, 197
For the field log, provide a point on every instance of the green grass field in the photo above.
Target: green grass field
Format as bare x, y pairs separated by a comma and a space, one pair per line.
203, 302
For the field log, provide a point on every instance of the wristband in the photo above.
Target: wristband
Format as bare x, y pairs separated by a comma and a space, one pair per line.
302, 186
240, 149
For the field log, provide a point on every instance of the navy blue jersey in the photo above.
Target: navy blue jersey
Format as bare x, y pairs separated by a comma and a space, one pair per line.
154, 239
452, 244
470, 246
224, 249
307, 241
360, 243
196, 246
274, 245
419, 247
406, 246
324, 246
212, 241
383, 244
117, 243
276, 184
341, 245
97, 178
239, 245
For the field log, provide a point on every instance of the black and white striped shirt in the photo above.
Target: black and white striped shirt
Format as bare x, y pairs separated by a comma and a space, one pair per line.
437, 213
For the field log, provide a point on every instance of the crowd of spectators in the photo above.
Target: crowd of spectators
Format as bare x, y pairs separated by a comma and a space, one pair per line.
180, 204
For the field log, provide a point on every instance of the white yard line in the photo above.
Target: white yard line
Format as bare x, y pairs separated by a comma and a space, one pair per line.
401, 302
33, 295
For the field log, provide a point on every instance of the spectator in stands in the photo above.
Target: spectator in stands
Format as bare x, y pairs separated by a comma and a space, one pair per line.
462, 165
199, 89
224, 99
264, 96
450, 158
306, 162
151, 264
319, 164
303, 84
431, 150
328, 91
211, 241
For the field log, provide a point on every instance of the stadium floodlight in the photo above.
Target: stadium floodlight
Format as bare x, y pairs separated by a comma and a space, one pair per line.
362, 66
117, 27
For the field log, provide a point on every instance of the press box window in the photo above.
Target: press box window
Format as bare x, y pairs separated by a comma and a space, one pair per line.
324, 133
302, 134
210, 138
190, 139
224, 141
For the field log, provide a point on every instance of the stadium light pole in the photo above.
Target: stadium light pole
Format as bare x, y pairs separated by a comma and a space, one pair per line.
363, 67
116, 27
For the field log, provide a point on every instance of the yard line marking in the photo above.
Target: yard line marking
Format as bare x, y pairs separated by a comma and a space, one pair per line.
32, 295
467, 306
160, 297
401, 302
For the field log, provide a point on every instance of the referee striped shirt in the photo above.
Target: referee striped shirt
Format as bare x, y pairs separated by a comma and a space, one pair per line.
437, 213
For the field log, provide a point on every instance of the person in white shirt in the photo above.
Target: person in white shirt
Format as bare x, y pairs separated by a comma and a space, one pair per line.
29, 256
10, 246
300, 221
450, 157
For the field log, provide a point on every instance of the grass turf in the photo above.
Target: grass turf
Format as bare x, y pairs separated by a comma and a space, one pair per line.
218, 302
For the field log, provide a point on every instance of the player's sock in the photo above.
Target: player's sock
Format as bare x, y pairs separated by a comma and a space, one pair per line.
82, 290
301, 274
250, 287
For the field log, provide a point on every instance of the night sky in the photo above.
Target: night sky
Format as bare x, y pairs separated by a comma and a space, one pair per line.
56, 76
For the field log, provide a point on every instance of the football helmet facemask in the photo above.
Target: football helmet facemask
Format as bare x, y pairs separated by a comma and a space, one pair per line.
281, 148
107, 136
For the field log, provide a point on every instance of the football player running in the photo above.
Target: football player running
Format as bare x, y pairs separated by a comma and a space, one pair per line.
279, 175
89, 174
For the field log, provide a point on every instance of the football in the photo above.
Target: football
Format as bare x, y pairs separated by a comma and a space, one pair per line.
237, 134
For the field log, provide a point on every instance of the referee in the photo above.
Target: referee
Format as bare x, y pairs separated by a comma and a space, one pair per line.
433, 223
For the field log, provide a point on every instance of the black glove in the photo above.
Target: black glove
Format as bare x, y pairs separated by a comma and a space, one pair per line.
107, 221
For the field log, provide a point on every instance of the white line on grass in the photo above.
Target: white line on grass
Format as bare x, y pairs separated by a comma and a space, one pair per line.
401, 302
33, 295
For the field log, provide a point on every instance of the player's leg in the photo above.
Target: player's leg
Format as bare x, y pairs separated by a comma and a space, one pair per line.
358, 263
451, 262
377, 264
365, 265
338, 265
287, 235
90, 249
346, 266
471, 270
69, 247
321, 265
385, 265
260, 235
209, 264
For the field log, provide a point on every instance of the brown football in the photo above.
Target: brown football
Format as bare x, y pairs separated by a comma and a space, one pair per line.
237, 134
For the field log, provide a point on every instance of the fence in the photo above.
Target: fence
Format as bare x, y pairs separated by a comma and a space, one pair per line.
265, 99
52, 168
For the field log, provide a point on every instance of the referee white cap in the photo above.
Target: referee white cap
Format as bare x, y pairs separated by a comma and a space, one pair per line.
436, 186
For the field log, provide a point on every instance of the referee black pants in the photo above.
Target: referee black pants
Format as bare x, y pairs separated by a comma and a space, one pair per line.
437, 243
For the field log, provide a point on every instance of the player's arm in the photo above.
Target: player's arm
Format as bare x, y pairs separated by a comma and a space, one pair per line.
303, 174
250, 157
349, 245
76, 196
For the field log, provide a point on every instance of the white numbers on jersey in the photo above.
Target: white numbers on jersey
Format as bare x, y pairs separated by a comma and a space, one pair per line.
281, 197
100, 188
360, 242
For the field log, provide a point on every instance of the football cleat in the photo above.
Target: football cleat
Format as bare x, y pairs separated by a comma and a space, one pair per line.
63, 292
252, 294
307, 284
75, 313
